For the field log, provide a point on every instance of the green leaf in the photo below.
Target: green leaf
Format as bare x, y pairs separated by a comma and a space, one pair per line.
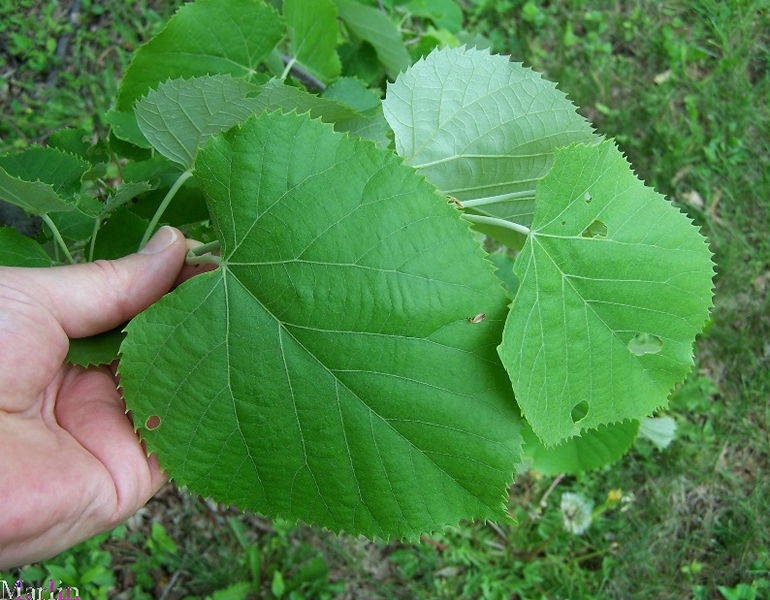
35, 197
583, 299
236, 591
374, 27
96, 350
323, 372
312, 28
444, 13
61, 170
18, 250
594, 448
504, 262
156, 170
71, 140
354, 93
204, 38
124, 126
360, 60
120, 235
370, 125
77, 224
181, 114
124, 193
481, 128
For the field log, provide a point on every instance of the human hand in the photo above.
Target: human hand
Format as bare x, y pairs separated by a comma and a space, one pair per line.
70, 461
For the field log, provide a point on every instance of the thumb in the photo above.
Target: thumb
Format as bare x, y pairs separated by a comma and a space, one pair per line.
90, 298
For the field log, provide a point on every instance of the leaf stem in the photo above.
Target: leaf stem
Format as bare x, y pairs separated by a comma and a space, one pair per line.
482, 220
97, 226
163, 206
206, 259
57, 236
288, 68
204, 249
199, 255
498, 198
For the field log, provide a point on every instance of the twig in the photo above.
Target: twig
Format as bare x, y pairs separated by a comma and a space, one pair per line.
64, 40
298, 72
551, 488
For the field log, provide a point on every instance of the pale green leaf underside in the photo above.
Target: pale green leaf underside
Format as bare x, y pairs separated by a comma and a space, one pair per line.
373, 26
594, 448
181, 114
327, 370
17, 250
582, 300
204, 38
659, 430
481, 128
312, 26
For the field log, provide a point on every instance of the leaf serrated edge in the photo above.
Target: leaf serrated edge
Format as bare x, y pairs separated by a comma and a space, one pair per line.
39, 147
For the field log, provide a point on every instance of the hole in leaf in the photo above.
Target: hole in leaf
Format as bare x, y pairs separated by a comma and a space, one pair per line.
587, 197
597, 229
645, 343
579, 411
152, 422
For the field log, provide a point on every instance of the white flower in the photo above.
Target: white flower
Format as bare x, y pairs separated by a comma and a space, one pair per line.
576, 511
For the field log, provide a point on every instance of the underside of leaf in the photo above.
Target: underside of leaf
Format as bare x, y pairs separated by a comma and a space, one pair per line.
481, 129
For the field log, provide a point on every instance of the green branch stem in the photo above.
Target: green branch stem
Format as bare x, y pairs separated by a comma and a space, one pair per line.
482, 220
163, 206
57, 236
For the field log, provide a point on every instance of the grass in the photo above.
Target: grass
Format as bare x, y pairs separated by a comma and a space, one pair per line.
683, 88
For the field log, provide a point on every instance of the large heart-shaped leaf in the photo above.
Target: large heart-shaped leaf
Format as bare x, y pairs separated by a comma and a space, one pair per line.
331, 369
615, 283
481, 128
203, 38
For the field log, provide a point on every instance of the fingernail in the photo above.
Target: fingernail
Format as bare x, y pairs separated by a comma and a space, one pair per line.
163, 238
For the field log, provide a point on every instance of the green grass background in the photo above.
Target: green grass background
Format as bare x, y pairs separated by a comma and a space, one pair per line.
684, 87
